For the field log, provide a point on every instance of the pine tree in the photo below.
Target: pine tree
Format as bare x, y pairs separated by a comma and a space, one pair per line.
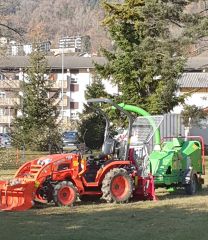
92, 125
152, 40
37, 127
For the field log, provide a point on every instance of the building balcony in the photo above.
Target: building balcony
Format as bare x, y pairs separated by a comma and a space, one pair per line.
15, 84
58, 84
9, 102
58, 102
6, 119
9, 84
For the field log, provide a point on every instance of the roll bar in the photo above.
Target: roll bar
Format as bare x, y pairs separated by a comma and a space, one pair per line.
129, 116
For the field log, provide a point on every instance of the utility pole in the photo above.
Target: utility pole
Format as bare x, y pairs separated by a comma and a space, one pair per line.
62, 86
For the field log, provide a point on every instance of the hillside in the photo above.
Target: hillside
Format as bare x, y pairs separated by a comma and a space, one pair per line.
53, 19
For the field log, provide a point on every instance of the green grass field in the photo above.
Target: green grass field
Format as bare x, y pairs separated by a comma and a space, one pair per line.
173, 216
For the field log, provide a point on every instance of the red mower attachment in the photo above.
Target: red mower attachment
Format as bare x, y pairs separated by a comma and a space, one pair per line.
16, 195
144, 188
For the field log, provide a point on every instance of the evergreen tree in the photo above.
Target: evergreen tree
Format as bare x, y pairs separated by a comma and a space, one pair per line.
36, 128
92, 125
152, 40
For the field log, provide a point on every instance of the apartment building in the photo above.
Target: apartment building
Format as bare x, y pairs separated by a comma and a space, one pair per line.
20, 49
75, 43
73, 74
70, 74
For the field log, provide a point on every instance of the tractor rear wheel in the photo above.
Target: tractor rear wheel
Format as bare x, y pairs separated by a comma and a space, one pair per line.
117, 186
65, 193
191, 188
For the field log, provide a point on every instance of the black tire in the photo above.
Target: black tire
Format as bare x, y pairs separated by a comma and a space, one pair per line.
117, 186
199, 185
65, 194
192, 187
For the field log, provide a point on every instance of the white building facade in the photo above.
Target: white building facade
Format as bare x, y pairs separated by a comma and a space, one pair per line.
70, 75
195, 86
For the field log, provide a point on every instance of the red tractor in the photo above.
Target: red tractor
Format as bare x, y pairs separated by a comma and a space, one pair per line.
61, 178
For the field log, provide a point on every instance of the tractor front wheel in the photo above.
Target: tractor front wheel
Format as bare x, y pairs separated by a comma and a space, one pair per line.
117, 186
65, 194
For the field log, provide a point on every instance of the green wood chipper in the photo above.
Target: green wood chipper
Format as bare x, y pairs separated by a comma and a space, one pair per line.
174, 161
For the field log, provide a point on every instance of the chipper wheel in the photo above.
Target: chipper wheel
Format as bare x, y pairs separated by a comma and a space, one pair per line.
117, 186
65, 193
193, 186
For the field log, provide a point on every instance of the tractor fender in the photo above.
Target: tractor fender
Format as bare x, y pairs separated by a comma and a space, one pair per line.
114, 164
77, 183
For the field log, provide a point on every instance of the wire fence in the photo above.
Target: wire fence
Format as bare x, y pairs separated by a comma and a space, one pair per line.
11, 158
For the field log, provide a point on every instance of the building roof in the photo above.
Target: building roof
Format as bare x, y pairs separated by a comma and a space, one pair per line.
193, 80
55, 62
73, 62
197, 63
85, 62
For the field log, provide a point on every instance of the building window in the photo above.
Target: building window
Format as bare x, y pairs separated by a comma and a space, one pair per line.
204, 98
74, 115
2, 95
73, 80
2, 111
16, 77
53, 77
74, 105
74, 87
2, 77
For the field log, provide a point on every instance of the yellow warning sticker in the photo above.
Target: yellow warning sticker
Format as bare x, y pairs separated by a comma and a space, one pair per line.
75, 163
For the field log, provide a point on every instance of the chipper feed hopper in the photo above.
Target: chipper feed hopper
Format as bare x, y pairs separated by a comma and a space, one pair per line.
114, 175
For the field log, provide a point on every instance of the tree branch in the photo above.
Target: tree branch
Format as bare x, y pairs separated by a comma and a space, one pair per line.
205, 10
12, 29
177, 24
